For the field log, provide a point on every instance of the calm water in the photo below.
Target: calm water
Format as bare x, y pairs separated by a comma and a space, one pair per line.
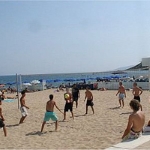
57, 79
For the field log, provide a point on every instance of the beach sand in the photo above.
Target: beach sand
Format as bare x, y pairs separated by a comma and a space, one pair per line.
98, 131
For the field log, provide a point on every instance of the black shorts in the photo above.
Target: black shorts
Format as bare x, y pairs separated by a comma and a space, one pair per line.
68, 106
75, 99
137, 98
1, 123
89, 103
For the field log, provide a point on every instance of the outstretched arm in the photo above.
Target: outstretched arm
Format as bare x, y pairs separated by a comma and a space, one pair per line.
129, 125
58, 108
117, 93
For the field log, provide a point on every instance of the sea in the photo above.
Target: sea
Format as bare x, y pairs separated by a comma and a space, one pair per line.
65, 78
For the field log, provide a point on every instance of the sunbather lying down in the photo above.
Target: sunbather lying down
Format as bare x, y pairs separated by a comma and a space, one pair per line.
3, 97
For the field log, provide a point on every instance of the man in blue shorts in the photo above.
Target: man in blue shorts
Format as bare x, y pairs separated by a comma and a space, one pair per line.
50, 114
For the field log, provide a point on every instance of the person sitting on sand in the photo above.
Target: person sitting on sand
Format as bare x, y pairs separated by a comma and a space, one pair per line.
50, 114
122, 94
136, 122
2, 125
23, 107
89, 98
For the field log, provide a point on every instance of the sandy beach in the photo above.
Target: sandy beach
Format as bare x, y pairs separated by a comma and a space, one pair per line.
98, 131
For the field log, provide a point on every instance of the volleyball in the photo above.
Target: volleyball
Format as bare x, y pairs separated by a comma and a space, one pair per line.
67, 96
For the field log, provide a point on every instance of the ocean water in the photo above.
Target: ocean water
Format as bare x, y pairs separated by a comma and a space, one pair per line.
57, 79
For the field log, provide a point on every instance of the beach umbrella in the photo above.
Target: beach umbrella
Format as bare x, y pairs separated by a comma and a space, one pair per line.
116, 77
91, 78
10, 83
69, 80
35, 82
27, 84
49, 81
41, 80
78, 79
57, 80
107, 78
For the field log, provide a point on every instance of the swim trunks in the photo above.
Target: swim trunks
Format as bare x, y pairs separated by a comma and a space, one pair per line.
50, 115
137, 98
23, 111
75, 99
133, 135
1, 123
68, 106
121, 96
89, 103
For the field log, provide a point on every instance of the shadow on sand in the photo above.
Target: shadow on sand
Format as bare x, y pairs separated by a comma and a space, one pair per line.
125, 113
13, 125
36, 133
115, 107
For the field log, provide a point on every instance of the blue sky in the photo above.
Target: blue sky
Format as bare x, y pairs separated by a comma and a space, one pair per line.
39, 37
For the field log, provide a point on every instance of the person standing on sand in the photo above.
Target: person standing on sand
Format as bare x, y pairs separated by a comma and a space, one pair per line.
23, 107
50, 114
122, 94
68, 104
75, 94
2, 125
137, 91
89, 98
136, 122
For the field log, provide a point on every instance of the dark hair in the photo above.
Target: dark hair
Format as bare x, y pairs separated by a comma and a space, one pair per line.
51, 96
135, 104
23, 92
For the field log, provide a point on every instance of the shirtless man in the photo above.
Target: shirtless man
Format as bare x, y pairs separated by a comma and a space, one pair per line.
122, 94
23, 107
50, 114
89, 102
136, 121
68, 104
2, 125
137, 92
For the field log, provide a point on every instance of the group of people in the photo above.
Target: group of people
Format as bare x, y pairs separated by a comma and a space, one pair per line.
70, 98
137, 91
136, 119
50, 114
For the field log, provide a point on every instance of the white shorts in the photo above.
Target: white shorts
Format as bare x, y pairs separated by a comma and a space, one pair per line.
121, 96
23, 111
